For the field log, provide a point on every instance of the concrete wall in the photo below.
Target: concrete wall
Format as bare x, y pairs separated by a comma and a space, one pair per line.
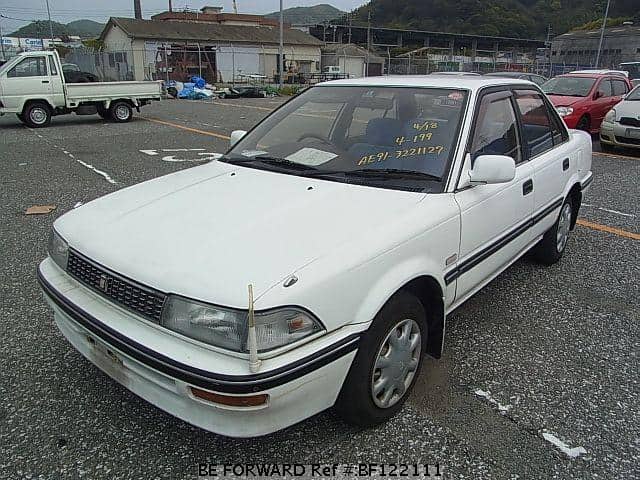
581, 48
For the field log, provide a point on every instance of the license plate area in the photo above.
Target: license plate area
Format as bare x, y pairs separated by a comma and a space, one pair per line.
102, 351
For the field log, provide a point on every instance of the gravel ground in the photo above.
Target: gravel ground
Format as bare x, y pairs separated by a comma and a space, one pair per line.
539, 351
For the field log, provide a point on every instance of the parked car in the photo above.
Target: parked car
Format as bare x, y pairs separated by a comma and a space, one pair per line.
621, 126
315, 264
583, 99
32, 88
532, 77
73, 74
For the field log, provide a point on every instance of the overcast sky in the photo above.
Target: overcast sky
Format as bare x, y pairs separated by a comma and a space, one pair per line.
64, 11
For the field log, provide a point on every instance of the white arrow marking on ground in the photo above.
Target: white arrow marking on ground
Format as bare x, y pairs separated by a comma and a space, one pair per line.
150, 152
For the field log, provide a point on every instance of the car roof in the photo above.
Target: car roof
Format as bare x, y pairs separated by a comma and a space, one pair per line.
467, 82
590, 75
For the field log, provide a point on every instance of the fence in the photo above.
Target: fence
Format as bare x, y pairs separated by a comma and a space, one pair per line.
230, 64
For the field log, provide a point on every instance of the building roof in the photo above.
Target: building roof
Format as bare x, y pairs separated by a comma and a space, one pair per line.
470, 82
350, 50
609, 32
207, 32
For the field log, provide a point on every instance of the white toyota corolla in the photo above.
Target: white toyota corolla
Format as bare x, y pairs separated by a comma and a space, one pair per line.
316, 262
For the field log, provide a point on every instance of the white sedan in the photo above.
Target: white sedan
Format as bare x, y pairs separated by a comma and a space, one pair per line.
314, 265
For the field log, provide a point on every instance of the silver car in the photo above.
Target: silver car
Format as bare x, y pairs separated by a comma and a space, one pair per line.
621, 125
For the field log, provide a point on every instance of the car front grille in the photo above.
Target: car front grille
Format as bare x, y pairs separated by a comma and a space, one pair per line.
632, 122
138, 298
628, 141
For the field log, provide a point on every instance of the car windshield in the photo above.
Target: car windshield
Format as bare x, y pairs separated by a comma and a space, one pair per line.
569, 86
634, 95
394, 137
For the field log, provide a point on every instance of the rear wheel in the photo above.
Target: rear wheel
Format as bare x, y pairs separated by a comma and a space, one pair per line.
120, 111
37, 114
387, 364
554, 241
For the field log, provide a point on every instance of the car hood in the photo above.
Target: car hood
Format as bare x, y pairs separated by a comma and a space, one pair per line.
564, 101
628, 108
208, 232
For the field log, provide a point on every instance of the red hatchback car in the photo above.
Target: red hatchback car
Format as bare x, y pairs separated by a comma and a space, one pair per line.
583, 99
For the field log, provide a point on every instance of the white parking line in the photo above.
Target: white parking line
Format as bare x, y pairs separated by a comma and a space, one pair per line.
608, 210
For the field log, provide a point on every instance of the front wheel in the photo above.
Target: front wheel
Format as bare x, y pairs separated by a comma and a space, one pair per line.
584, 124
554, 241
387, 364
121, 112
37, 115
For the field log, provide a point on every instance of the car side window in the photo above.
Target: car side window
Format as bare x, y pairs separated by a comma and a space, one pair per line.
496, 129
605, 88
52, 67
537, 127
29, 67
619, 87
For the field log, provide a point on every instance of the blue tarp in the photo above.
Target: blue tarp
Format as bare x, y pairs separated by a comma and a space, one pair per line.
198, 81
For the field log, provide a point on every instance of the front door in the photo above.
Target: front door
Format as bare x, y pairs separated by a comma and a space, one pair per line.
27, 79
494, 218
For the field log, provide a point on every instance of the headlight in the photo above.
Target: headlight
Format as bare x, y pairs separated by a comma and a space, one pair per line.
610, 116
564, 111
228, 328
58, 249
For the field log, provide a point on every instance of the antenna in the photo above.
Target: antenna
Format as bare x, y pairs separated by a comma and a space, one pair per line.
235, 7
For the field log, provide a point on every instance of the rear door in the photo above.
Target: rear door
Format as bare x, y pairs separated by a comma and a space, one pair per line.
495, 217
547, 147
27, 79
602, 104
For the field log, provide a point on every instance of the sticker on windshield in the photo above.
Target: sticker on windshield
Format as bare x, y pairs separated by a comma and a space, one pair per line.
253, 153
311, 156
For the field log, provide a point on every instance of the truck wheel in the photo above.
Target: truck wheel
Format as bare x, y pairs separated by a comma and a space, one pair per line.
121, 112
554, 241
37, 115
387, 364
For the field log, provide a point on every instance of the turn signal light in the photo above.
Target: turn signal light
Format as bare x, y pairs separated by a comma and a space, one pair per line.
244, 401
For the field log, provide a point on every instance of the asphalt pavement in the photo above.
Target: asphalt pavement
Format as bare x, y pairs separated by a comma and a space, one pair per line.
539, 363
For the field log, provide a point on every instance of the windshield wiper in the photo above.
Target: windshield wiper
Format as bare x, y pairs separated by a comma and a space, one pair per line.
391, 173
268, 160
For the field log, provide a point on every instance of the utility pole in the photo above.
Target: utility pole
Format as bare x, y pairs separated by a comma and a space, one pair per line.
2, 43
137, 10
368, 39
604, 24
50, 24
235, 7
350, 19
170, 6
281, 47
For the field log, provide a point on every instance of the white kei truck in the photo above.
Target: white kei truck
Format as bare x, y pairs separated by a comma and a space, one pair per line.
33, 87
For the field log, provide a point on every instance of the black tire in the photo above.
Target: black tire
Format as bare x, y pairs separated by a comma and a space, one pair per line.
172, 91
37, 115
584, 124
355, 403
550, 249
121, 111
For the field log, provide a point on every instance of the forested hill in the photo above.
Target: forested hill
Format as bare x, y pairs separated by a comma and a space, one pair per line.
509, 18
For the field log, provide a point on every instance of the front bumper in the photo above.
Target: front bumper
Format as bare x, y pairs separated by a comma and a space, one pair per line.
163, 370
619, 135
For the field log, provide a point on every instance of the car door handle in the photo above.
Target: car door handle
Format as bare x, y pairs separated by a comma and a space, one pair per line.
565, 164
45, 81
527, 187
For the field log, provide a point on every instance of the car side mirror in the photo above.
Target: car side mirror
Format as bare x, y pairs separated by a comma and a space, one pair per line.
598, 95
489, 169
236, 136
